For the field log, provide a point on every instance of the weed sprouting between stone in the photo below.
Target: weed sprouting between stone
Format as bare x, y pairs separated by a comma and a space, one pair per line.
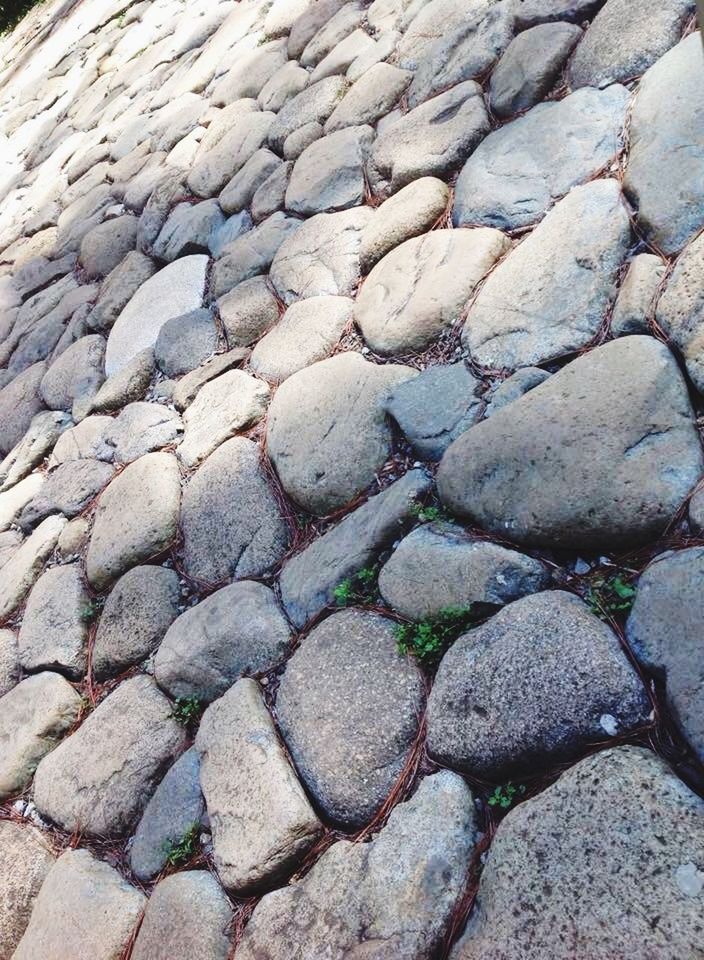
179, 852
610, 597
427, 640
187, 710
358, 589
506, 795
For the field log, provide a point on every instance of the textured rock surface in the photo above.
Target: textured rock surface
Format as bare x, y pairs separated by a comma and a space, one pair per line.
54, 631
26, 857
25, 565
680, 310
635, 305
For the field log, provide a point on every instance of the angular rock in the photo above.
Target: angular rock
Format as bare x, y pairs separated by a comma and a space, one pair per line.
270, 196
514, 176
185, 342
215, 165
188, 230
9, 662
106, 245
531, 12
327, 434
136, 519
312, 105
262, 822
350, 751
634, 307
76, 375
231, 229
22, 569
370, 98
119, 287
252, 254
67, 490
418, 290
611, 445
186, 390
231, 522
329, 174
26, 857
680, 310
100, 778
235, 631
142, 428
128, 384
54, 631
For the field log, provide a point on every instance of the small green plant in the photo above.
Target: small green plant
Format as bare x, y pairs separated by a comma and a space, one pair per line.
427, 640
427, 514
610, 596
90, 610
505, 796
187, 710
181, 851
360, 588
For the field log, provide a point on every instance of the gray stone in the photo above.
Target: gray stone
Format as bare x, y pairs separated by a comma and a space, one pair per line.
215, 165
9, 663
625, 38
34, 716
247, 311
432, 139
624, 821
312, 105
186, 390
514, 387
611, 445
73, 538
308, 580
106, 245
119, 287
394, 896
239, 191
370, 98
173, 291
531, 12
530, 67
76, 375
137, 613
252, 253
231, 229
327, 434
303, 137
418, 290
235, 631
663, 632
308, 331
309, 22
486, 716
350, 750
262, 822
26, 856
230, 519
85, 911
187, 914
20, 400
176, 807
343, 55
410, 212
680, 310
635, 304
143, 428
100, 778
696, 511
10, 540
136, 519
250, 73
22, 569
667, 148
321, 257
44, 430
68, 490
188, 230
128, 384
169, 191
549, 297
332, 32
38, 273
285, 84
232, 402
383, 49
329, 174
86, 441
54, 631
270, 196
185, 342
514, 176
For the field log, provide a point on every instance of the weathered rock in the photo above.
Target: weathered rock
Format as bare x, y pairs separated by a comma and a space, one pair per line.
247, 311
137, 613
383, 897
231, 229
620, 818
73, 538
43, 432
432, 139
119, 287
67, 490
321, 258
270, 196
307, 332
530, 688
54, 631
418, 290
26, 856
84, 911
232, 402
185, 342
20, 400
303, 137
239, 191
176, 807
635, 304
100, 778
136, 519
252, 254
625, 38
370, 98
332, 32
173, 291
128, 384
307, 24
186, 390
9, 662
142, 428
530, 66
187, 914
286, 83
215, 165
680, 310
343, 55
329, 174
88, 440
327, 434
611, 446
513, 177
531, 12
188, 230
551, 294
667, 148
76, 375
514, 387
350, 751
25, 565
312, 105
262, 821
106, 245
14, 500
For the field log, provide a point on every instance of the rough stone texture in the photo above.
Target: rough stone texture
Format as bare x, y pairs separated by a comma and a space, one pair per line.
635, 304
84, 911
185, 342
662, 631
530, 688
235, 631
418, 290
143, 428
622, 819
86, 441
216, 164
100, 778
350, 751
232, 402
173, 291
252, 253
327, 433
34, 716
247, 311
137, 613
370, 98
26, 856
516, 173
106, 245
20, 400
391, 897
25, 565
531, 12
119, 287
129, 383
54, 631
188, 230
239, 192
440, 565
312, 105
136, 519
262, 821
329, 174
68, 490
514, 387
14, 500
667, 148
176, 806
270, 196
43, 432
680, 310
76, 375
612, 451
550, 295
188, 387
9, 662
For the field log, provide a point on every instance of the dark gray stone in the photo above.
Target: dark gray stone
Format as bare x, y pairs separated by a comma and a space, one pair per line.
188, 230
185, 342
67, 490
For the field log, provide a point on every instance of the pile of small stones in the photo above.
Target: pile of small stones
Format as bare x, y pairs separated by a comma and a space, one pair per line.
321, 322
